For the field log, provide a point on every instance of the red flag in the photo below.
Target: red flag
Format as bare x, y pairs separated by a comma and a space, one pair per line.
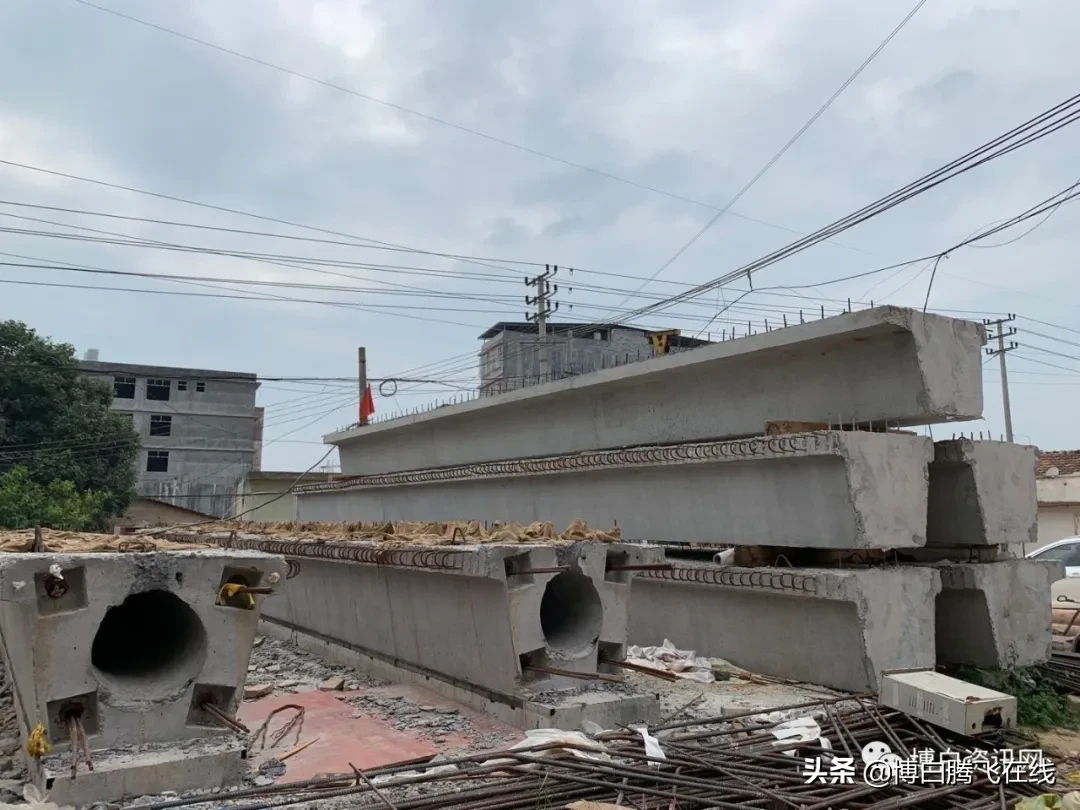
367, 406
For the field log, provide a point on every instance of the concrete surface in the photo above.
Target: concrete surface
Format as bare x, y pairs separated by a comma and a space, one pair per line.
884, 364
836, 628
605, 708
133, 647
982, 493
828, 489
995, 614
470, 630
132, 772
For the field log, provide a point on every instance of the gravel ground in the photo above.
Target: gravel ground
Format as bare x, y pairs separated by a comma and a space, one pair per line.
289, 669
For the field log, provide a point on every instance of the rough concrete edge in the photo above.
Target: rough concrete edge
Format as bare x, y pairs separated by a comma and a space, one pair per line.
973, 577
958, 361
873, 477
909, 636
230, 760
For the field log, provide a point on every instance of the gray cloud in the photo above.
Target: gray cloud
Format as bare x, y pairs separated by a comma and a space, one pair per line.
691, 98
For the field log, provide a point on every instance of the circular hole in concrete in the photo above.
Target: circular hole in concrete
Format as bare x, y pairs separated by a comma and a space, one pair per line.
151, 643
571, 614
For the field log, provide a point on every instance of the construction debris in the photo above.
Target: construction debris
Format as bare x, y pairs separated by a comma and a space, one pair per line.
64, 542
666, 658
801, 756
412, 533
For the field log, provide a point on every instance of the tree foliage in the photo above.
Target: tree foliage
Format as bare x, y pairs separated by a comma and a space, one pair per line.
58, 505
56, 424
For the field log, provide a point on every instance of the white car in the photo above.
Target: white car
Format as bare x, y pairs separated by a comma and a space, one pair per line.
1068, 552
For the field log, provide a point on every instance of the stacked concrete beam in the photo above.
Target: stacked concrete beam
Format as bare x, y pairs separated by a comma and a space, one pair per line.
134, 647
671, 449
480, 624
877, 366
994, 609
815, 490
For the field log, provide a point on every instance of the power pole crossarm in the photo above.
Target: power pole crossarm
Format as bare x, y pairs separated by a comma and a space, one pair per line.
1000, 334
542, 302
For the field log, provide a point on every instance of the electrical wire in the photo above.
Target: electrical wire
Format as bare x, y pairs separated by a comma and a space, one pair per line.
435, 119
783, 150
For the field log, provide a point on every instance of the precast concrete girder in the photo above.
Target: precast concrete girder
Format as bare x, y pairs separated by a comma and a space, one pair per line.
490, 626
132, 648
826, 489
885, 366
996, 614
982, 493
837, 628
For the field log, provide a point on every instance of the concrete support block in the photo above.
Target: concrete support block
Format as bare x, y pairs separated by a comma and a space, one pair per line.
133, 645
836, 628
484, 621
880, 365
995, 614
982, 493
149, 770
828, 489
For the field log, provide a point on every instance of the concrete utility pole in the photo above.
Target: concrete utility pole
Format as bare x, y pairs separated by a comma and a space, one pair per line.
361, 371
1000, 334
542, 302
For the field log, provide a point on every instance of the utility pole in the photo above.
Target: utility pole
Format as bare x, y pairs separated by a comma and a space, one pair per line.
361, 371
1000, 334
542, 302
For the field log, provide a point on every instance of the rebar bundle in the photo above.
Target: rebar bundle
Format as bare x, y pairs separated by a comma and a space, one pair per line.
722, 762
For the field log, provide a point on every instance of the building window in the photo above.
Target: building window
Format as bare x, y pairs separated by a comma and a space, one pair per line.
200, 387
124, 387
160, 425
181, 385
158, 390
157, 461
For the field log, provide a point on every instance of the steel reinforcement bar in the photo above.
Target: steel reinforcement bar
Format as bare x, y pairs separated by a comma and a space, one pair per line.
764, 580
355, 552
814, 443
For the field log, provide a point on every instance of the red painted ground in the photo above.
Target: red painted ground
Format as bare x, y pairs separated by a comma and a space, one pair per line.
366, 742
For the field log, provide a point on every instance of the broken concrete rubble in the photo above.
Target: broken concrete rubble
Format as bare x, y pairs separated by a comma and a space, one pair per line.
155, 651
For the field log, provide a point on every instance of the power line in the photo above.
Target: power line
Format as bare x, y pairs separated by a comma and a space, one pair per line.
1034, 129
430, 118
783, 150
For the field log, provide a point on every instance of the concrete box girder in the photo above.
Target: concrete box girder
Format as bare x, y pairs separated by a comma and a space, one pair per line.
828, 489
469, 619
885, 364
982, 493
996, 614
837, 628
131, 643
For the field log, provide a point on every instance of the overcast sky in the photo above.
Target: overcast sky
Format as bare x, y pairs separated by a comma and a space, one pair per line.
687, 98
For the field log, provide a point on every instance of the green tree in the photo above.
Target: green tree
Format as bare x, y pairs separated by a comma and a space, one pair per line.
58, 505
57, 424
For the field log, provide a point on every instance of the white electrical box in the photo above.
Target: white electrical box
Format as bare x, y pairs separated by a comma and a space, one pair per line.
947, 702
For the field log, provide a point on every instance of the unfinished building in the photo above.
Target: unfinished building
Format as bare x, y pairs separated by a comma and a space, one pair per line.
126, 666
